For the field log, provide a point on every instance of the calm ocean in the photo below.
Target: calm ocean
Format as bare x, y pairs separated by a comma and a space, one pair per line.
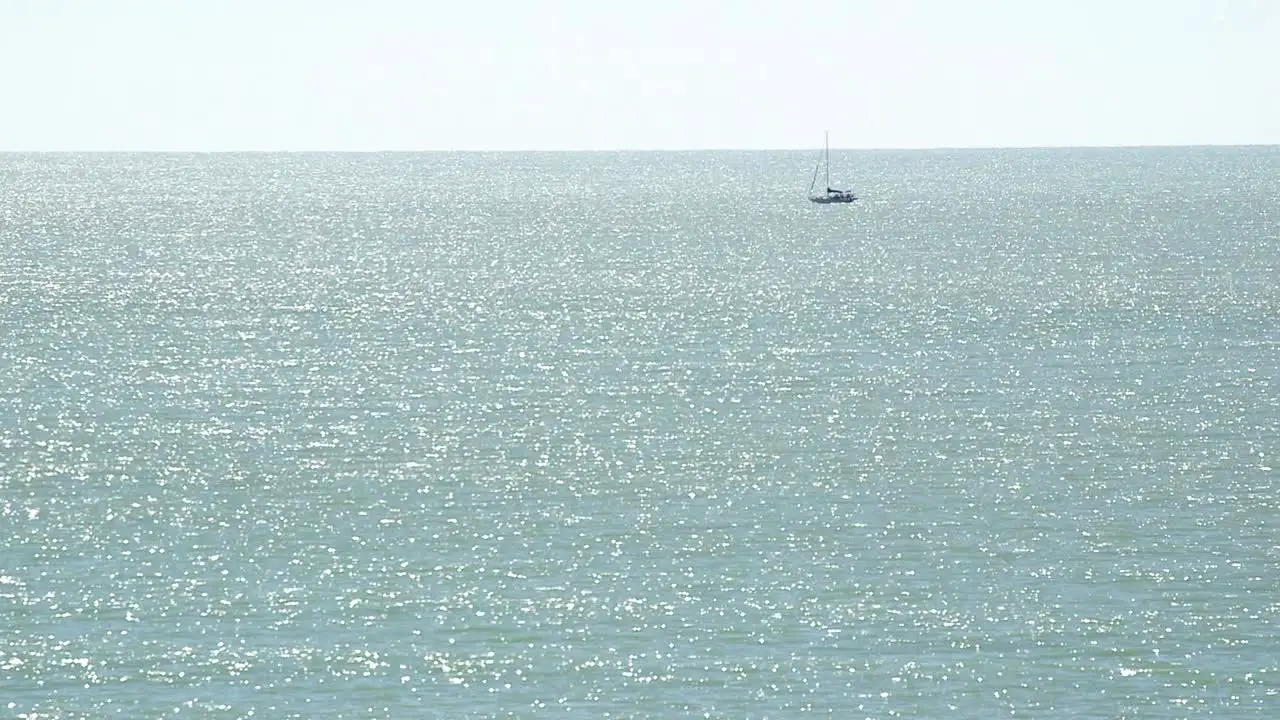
640, 435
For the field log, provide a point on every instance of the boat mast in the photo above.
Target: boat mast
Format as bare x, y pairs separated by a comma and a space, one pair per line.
826, 151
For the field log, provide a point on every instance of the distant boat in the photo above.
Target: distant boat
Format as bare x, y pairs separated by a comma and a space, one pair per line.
830, 196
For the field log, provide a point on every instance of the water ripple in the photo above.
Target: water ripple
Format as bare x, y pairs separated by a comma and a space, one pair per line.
340, 435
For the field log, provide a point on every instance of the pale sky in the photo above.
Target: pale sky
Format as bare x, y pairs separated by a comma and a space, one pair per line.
635, 74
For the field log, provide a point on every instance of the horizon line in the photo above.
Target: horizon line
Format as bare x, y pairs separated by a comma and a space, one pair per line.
617, 150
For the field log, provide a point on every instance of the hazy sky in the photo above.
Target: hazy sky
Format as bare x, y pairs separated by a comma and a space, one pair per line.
608, 74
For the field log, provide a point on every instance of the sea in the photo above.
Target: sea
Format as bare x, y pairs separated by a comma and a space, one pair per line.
640, 435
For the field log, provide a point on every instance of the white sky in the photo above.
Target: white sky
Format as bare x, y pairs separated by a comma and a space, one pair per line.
635, 74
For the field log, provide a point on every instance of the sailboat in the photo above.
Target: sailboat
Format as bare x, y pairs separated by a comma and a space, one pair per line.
830, 196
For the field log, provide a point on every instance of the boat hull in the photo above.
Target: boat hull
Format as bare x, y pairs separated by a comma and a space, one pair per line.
832, 199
